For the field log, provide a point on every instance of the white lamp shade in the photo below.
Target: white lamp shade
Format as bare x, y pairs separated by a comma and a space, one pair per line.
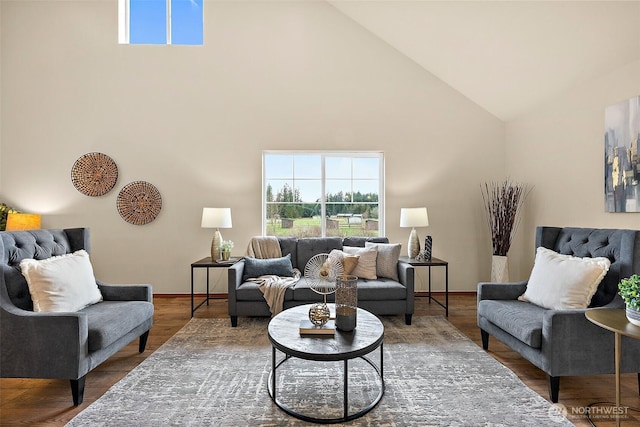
216, 218
414, 217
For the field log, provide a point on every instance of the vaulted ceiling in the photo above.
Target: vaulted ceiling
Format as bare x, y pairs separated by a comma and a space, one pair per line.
506, 56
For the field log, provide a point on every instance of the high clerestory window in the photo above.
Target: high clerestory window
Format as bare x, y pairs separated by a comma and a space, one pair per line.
312, 194
160, 22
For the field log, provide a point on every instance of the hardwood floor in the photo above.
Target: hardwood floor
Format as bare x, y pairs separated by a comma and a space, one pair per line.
36, 402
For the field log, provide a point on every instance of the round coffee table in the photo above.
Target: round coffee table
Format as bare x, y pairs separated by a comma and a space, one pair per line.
284, 334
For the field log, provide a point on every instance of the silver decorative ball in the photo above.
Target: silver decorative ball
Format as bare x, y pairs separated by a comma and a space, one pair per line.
319, 314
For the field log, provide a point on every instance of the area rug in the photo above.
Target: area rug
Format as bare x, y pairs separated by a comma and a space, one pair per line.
210, 374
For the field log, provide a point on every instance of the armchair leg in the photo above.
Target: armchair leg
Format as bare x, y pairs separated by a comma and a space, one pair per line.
77, 390
234, 321
638, 382
407, 318
143, 342
485, 339
554, 388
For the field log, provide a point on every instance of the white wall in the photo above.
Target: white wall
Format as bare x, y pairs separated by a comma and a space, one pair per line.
559, 148
194, 120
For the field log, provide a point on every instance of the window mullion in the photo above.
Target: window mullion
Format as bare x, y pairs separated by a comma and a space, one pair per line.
168, 21
323, 198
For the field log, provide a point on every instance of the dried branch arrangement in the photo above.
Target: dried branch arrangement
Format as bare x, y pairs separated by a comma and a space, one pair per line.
503, 202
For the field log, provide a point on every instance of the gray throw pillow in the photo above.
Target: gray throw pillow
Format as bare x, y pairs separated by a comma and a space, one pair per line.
387, 260
255, 267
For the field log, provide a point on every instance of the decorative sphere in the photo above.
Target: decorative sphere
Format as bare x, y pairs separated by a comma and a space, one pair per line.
319, 314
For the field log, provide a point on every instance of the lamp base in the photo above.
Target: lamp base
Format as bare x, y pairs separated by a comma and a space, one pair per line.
215, 245
413, 246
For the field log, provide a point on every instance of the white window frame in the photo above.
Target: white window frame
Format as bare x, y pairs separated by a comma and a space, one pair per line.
124, 21
324, 154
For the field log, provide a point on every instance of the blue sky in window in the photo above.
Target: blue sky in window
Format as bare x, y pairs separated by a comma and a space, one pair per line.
186, 22
148, 22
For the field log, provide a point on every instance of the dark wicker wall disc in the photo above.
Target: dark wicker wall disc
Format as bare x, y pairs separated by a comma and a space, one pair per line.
94, 174
139, 202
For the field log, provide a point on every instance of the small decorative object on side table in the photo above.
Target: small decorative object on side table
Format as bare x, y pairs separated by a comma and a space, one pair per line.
629, 290
428, 244
225, 250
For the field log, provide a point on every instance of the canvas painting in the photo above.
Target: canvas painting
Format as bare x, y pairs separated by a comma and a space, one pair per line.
622, 158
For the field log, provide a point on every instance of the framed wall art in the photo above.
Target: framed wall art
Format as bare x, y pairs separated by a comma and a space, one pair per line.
622, 158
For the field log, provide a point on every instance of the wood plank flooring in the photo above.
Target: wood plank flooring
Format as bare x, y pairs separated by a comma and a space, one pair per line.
37, 402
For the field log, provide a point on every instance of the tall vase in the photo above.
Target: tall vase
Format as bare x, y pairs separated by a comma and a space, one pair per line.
499, 269
346, 302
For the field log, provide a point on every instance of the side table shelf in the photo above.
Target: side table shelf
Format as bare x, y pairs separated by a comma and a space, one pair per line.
207, 263
433, 262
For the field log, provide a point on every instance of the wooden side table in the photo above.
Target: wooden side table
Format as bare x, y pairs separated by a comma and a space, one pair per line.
615, 320
433, 262
207, 263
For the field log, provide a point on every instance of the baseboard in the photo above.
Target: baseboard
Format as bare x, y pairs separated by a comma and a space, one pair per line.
441, 293
225, 295
197, 296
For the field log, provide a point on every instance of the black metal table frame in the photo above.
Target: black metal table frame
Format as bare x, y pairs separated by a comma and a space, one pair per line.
206, 263
347, 416
434, 262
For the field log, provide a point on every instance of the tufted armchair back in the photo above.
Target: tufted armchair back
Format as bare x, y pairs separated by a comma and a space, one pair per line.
37, 244
621, 247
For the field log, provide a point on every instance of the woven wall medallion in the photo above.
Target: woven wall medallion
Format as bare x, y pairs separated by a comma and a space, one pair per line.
139, 202
94, 174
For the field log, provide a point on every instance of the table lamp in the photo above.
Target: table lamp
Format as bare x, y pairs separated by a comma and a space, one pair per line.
22, 221
216, 218
413, 217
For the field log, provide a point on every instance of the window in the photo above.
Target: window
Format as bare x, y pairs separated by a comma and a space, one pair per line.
160, 22
311, 194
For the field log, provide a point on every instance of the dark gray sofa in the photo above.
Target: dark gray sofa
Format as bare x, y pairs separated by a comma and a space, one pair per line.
382, 296
63, 345
565, 342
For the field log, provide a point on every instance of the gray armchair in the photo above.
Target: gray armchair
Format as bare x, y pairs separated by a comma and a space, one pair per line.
565, 342
63, 345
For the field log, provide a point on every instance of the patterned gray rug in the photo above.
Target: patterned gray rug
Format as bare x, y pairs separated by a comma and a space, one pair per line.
210, 374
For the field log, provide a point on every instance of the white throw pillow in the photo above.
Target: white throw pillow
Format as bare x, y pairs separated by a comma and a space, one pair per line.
387, 260
61, 283
563, 281
366, 267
